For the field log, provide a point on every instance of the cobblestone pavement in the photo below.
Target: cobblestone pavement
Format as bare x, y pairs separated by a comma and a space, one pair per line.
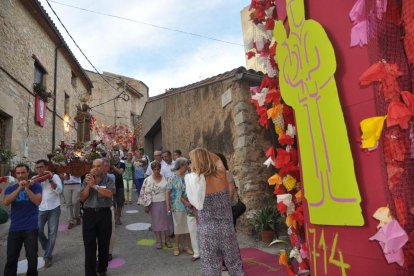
68, 255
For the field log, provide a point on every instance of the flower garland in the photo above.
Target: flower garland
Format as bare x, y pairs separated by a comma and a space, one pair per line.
114, 135
83, 152
278, 118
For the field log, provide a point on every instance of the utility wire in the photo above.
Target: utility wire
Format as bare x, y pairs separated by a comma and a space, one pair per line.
96, 70
148, 24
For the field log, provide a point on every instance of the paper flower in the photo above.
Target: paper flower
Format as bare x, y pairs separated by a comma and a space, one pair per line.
287, 200
276, 110
291, 130
282, 158
392, 238
371, 131
299, 196
275, 179
286, 140
289, 182
281, 207
383, 214
268, 162
398, 114
279, 190
273, 96
408, 99
260, 97
283, 258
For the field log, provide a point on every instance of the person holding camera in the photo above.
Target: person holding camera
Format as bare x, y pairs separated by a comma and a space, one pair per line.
24, 197
96, 195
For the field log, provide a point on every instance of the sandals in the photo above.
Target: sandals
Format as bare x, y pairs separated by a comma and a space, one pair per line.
189, 251
193, 259
168, 244
176, 252
159, 245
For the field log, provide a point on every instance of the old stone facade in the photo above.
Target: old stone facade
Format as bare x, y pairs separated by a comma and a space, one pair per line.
216, 114
126, 109
32, 50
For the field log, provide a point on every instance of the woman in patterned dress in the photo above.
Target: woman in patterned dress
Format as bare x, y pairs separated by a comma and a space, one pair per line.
152, 196
216, 234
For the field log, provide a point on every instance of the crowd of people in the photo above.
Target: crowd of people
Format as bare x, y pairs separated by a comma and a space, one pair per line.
187, 199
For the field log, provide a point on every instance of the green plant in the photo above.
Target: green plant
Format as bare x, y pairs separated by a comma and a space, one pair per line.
40, 91
266, 219
6, 154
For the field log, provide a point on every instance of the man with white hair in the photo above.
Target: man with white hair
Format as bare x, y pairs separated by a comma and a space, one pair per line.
157, 157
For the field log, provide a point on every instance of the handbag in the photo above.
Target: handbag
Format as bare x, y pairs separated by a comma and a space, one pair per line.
239, 208
4, 216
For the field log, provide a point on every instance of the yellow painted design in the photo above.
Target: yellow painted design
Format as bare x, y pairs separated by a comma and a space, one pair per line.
307, 66
322, 245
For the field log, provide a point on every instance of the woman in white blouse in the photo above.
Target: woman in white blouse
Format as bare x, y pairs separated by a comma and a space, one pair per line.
152, 196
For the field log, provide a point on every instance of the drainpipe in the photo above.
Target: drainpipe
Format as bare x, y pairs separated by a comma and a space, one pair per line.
54, 100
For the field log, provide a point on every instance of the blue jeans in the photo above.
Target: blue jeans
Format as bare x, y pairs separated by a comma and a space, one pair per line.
52, 219
15, 241
138, 184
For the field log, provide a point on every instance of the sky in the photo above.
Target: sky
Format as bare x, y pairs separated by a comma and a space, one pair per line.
160, 58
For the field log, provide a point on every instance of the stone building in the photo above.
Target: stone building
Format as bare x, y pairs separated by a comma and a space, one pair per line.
126, 108
33, 51
215, 113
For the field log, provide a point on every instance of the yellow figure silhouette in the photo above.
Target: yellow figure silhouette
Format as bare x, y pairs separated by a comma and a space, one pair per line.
307, 66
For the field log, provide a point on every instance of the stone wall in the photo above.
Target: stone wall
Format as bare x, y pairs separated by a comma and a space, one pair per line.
196, 118
22, 36
117, 111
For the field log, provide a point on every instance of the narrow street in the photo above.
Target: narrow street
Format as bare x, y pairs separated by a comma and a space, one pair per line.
134, 252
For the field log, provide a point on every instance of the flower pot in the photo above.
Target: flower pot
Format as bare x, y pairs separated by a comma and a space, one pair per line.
267, 236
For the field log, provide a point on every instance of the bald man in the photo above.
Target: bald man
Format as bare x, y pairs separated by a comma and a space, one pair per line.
96, 195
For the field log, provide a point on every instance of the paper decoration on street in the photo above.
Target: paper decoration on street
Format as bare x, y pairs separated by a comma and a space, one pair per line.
307, 66
392, 238
146, 242
63, 228
115, 263
371, 131
358, 18
22, 265
138, 226
131, 211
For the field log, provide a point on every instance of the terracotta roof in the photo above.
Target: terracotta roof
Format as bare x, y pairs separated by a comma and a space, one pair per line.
239, 73
54, 29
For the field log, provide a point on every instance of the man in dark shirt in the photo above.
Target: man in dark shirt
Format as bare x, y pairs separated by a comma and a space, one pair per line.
96, 195
118, 169
24, 197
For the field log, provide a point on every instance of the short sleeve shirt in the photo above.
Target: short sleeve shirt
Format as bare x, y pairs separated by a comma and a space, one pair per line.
24, 213
96, 200
177, 186
119, 183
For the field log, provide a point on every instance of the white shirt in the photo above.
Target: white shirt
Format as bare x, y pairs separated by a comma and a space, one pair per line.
50, 197
72, 180
166, 169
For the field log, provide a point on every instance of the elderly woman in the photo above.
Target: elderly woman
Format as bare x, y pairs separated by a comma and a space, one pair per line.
174, 191
207, 190
152, 196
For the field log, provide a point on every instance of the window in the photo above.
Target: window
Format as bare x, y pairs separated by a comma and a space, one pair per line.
39, 74
67, 98
74, 80
133, 119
